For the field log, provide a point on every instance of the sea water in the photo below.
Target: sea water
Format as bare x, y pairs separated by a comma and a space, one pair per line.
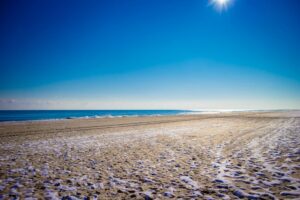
25, 115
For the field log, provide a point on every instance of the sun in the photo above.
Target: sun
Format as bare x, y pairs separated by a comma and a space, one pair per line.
221, 4
222, 1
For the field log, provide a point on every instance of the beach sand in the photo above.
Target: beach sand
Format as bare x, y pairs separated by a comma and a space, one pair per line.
250, 155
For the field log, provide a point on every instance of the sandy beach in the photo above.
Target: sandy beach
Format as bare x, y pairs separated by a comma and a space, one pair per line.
249, 155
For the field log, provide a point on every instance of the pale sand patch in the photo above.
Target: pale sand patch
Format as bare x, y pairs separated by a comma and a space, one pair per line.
247, 155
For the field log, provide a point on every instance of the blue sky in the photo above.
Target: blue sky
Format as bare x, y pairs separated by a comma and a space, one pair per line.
149, 54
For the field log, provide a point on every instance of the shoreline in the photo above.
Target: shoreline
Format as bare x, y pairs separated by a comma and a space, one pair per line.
184, 113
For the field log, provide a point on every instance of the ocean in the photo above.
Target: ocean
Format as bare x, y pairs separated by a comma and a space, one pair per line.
28, 115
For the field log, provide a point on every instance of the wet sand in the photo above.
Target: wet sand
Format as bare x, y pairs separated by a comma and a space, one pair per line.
250, 155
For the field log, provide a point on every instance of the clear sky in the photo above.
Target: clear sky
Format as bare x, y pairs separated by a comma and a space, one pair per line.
149, 54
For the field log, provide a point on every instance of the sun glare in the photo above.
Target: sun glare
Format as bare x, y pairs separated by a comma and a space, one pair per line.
221, 4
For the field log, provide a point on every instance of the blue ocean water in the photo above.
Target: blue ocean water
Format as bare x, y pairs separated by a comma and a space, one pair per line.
25, 115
